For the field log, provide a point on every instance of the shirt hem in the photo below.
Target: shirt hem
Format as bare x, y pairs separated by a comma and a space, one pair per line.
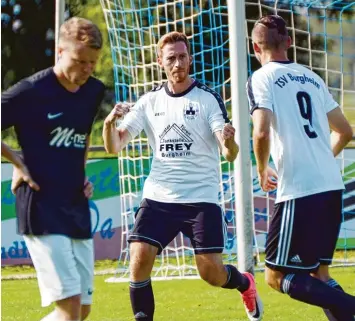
308, 193
181, 201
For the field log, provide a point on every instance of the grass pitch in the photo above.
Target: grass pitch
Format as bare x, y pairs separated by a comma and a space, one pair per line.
177, 300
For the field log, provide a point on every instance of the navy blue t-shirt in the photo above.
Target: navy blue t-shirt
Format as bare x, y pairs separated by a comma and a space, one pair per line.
52, 126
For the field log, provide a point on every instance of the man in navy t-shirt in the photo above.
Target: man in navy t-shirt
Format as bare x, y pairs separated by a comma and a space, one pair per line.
52, 112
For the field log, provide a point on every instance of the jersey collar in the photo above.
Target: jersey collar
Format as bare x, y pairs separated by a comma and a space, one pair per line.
168, 92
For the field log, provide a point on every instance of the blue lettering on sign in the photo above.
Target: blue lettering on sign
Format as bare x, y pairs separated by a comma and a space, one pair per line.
105, 230
17, 251
260, 215
8, 198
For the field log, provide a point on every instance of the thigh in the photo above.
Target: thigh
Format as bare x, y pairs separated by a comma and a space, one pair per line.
156, 224
332, 217
84, 257
206, 228
55, 264
293, 242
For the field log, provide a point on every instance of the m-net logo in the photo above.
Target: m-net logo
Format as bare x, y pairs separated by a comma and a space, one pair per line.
67, 137
175, 141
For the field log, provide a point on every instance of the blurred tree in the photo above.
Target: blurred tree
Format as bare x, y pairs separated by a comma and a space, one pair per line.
27, 30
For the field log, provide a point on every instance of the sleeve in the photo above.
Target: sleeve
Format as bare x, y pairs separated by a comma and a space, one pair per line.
329, 102
135, 119
99, 98
12, 101
259, 92
218, 115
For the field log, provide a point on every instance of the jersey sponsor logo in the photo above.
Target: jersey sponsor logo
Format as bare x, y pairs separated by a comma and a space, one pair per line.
53, 116
162, 113
67, 137
191, 111
175, 141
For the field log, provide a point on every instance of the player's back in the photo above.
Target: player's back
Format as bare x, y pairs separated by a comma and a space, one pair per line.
300, 133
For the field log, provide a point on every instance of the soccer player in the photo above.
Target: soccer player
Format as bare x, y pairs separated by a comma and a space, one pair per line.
293, 113
186, 123
52, 112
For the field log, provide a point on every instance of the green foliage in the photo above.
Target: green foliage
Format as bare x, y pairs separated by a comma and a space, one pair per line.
91, 9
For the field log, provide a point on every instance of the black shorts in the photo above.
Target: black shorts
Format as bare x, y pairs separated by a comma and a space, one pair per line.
159, 223
303, 232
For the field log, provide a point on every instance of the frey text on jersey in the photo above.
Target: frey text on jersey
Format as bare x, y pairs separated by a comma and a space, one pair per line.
175, 141
67, 137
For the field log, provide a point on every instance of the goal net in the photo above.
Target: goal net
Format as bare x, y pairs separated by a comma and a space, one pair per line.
323, 38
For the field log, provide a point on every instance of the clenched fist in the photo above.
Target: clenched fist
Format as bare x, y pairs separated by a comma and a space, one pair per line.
228, 131
118, 112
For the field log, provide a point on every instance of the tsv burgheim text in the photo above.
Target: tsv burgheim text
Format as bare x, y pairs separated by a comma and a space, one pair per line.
285, 79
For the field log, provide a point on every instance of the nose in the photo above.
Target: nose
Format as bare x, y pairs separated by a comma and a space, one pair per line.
178, 62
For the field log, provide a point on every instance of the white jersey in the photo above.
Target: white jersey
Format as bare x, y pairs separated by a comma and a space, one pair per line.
180, 130
300, 133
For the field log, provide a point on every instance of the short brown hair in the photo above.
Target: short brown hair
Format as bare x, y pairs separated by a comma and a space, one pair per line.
172, 37
82, 30
277, 31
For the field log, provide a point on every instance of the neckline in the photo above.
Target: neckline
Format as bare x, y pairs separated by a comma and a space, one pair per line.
185, 92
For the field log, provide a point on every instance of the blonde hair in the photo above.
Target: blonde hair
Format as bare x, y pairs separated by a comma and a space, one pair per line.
170, 38
80, 29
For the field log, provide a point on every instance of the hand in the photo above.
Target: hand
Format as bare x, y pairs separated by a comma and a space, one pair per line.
119, 111
228, 132
88, 188
20, 175
265, 179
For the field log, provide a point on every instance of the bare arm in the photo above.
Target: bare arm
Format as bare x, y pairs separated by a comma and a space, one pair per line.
342, 132
87, 149
21, 173
11, 156
227, 145
261, 137
115, 139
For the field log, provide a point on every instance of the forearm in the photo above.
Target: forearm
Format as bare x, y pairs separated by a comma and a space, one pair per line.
87, 149
230, 150
11, 156
338, 142
111, 137
261, 150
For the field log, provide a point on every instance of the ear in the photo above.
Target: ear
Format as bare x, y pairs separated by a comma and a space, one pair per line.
289, 42
59, 50
191, 59
160, 61
256, 48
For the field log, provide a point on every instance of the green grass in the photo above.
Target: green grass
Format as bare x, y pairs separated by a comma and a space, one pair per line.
178, 300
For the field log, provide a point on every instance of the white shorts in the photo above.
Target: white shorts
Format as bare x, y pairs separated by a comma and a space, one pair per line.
64, 266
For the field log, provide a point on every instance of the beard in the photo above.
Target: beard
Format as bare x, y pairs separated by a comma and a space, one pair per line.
180, 76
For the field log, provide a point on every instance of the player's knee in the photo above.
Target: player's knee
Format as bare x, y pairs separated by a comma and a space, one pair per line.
142, 260
273, 278
85, 311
